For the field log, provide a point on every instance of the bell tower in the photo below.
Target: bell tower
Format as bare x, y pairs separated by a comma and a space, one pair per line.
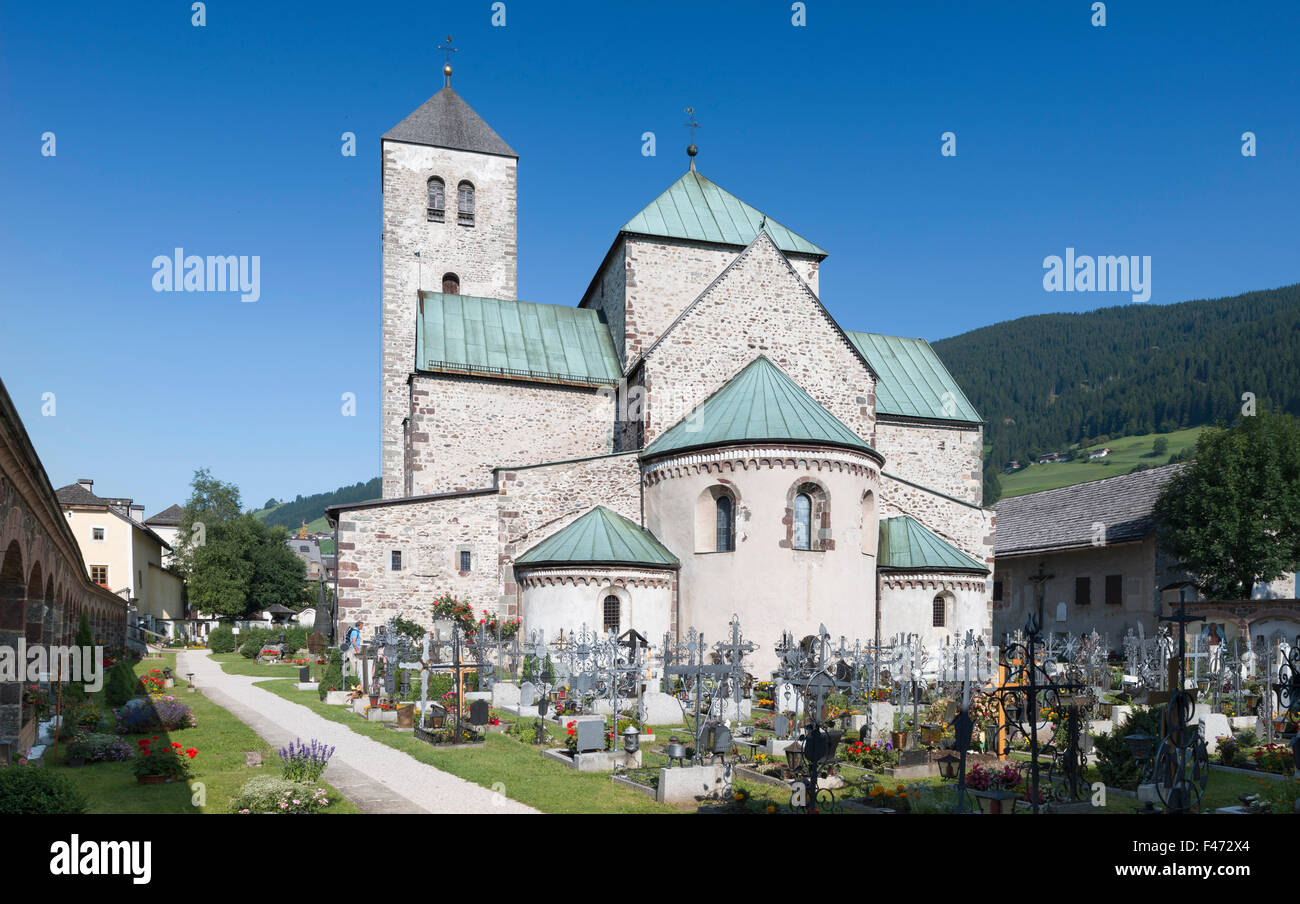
449, 218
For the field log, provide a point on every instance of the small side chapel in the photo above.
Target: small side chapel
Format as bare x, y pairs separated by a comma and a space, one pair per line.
695, 437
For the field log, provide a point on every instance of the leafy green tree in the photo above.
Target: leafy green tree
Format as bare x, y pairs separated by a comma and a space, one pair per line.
279, 576
1232, 516
1160, 446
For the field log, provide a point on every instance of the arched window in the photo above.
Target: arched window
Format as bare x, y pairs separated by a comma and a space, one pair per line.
450, 284
870, 525
437, 202
939, 607
465, 204
611, 613
803, 521
726, 538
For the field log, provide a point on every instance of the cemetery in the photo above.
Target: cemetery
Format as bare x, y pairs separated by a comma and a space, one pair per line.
1042, 723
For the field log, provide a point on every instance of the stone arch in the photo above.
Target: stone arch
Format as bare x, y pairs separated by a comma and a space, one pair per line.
13, 616
819, 515
619, 592
708, 511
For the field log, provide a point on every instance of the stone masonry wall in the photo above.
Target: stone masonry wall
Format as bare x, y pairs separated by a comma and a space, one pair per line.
483, 256
943, 458
462, 427
968, 528
758, 307
607, 295
430, 535
537, 502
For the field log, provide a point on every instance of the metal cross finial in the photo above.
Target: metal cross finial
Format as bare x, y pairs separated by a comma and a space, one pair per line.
691, 149
448, 50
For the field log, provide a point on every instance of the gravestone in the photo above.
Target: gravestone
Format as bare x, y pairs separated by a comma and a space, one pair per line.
1213, 727
505, 693
479, 712
527, 694
591, 735
781, 725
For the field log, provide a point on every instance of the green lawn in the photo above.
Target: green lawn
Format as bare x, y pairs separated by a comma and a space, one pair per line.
220, 739
1125, 453
236, 664
528, 777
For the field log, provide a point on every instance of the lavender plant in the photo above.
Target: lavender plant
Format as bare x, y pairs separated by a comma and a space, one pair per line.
300, 762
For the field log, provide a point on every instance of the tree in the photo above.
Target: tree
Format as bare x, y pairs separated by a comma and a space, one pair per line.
1160, 446
1232, 516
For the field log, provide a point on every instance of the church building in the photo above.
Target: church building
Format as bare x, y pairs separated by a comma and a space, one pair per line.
695, 437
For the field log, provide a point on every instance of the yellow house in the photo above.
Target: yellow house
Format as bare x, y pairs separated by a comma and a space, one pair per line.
124, 555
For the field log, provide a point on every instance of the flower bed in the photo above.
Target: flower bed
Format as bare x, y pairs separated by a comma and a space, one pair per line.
160, 713
168, 761
268, 794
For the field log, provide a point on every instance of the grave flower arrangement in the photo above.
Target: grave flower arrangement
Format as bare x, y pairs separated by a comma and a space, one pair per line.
1275, 758
153, 682
571, 736
269, 794
38, 699
93, 747
168, 761
163, 713
980, 778
1228, 749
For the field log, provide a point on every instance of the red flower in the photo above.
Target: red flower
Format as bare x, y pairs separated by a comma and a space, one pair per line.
191, 752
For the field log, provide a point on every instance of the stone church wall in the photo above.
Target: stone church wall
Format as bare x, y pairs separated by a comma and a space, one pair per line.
483, 256
944, 458
758, 308
430, 535
965, 526
462, 427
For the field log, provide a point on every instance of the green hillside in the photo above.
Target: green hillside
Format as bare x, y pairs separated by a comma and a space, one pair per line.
1047, 382
312, 508
1125, 455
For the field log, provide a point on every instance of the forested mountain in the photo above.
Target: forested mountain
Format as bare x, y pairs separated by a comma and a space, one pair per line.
1047, 381
309, 508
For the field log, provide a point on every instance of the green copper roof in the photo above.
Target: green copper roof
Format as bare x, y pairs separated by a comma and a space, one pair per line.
761, 403
465, 334
908, 545
913, 381
600, 537
697, 209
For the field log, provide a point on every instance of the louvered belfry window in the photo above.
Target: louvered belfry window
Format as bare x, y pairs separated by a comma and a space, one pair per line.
437, 203
465, 208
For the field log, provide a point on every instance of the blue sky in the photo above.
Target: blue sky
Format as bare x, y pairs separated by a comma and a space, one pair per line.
225, 139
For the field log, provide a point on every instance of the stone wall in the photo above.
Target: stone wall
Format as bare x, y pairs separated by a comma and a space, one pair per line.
944, 458
608, 295
907, 606
430, 535
967, 527
462, 427
759, 306
483, 256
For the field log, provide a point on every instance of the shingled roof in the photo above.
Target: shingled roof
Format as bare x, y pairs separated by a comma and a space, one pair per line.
446, 121
1061, 519
168, 517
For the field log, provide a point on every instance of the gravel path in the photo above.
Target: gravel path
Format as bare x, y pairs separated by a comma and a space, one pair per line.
377, 778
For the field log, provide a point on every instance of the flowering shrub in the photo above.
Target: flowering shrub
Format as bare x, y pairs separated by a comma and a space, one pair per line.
99, 748
37, 698
301, 762
870, 756
268, 794
164, 713
1274, 758
168, 759
571, 735
152, 682
448, 607
980, 778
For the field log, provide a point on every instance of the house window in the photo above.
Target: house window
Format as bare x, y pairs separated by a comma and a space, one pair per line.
464, 560
1083, 591
803, 521
397, 560
450, 284
465, 204
97, 533
99, 574
611, 613
997, 591
1114, 589
437, 203
725, 536
302, 549
938, 611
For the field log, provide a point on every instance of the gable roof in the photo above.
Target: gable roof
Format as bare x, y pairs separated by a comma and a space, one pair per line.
513, 339
600, 537
1061, 519
908, 545
697, 209
446, 121
913, 381
168, 517
761, 403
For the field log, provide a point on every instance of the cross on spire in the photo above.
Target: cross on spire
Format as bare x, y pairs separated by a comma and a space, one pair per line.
691, 149
447, 50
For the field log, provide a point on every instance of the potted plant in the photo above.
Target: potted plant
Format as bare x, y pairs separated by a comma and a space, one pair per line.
990, 787
166, 762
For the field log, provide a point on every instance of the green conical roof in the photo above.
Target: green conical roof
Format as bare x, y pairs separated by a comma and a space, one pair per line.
696, 209
908, 545
600, 537
759, 404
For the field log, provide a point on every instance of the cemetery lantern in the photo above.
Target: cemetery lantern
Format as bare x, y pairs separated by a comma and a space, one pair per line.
794, 756
631, 739
948, 766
